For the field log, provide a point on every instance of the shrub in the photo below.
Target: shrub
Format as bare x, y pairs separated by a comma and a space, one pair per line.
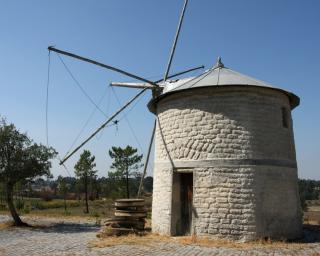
37, 205
95, 214
73, 203
26, 209
67, 213
40, 205
19, 204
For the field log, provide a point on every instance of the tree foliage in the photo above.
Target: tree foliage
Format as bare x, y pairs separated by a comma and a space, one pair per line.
84, 171
126, 163
21, 160
63, 190
308, 190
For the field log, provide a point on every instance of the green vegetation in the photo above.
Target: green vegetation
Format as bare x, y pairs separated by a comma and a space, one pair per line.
126, 163
56, 207
23, 189
308, 190
84, 171
21, 160
46, 197
63, 190
99, 209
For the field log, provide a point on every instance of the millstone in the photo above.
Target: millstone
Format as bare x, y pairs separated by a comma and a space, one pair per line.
129, 203
130, 214
128, 219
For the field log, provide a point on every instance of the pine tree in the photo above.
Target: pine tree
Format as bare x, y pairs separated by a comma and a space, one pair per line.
84, 171
126, 161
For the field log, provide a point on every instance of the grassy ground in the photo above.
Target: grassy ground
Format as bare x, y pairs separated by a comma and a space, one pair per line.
101, 209
55, 208
98, 209
312, 215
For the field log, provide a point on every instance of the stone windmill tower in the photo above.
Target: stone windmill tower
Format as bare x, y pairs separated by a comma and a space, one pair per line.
225, 161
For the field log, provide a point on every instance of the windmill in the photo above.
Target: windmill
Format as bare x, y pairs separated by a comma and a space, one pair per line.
225, 162
155, 86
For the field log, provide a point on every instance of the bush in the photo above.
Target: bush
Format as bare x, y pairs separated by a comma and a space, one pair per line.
95, 214
36, 204
26, 209
3, 207
74, 203
67, 213
19, 204
41, 205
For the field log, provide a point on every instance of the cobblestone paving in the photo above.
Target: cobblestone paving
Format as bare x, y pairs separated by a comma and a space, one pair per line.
72, 238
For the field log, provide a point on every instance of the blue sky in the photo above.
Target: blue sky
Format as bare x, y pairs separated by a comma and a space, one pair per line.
275, 41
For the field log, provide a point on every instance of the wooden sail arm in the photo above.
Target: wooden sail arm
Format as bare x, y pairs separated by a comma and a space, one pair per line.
175, 40
133, 85
149, 86
102, 126
117, 113
51, 48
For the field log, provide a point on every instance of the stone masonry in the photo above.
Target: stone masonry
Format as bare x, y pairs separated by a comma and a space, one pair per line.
238, 143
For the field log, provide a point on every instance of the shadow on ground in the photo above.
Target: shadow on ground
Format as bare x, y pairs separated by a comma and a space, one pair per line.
65, 228
311, 234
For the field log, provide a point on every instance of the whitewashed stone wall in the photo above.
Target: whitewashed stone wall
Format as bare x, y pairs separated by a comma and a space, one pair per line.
243, 160
247, 203
161, 200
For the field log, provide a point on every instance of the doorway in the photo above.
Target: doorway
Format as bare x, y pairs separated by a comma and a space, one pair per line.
182, 198
186, 190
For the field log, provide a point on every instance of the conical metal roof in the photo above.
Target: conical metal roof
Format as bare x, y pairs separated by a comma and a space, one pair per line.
219, 75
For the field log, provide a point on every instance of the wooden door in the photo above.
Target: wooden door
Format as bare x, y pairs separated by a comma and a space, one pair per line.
186, 185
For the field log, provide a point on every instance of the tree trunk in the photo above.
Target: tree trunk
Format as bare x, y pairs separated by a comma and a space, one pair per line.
97, 194
86, 193
127, 176
65, 203
14, 214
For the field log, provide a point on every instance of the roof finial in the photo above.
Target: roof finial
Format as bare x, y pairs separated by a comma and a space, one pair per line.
219, 63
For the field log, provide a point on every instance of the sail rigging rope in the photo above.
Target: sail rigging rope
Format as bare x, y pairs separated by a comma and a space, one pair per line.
127, 120
47, 99
97, 107
64, 167
130, 109
80, 86
124, 116
47, 108
88, 120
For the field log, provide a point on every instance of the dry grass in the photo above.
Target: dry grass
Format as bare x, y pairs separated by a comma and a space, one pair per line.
146, 240
43, 222
209, 242
312, 218
55, 208
6, 225
152, 239
10, 224
45, 215
312, 222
